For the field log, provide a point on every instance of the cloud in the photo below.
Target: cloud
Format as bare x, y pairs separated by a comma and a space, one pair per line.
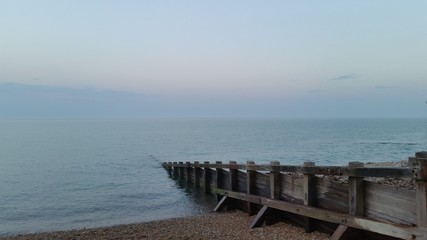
344, 77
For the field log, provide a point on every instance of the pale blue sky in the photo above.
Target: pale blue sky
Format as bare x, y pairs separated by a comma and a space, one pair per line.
225, 58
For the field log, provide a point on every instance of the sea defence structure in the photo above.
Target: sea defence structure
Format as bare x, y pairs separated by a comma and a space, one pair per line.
340, 200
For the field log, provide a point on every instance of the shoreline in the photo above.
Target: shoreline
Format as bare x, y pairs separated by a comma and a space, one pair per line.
224, 225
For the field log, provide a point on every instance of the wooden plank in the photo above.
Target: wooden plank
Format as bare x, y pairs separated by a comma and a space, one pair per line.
403, 196
379, 172
181, 170
260, 217
188, 172
275, 180
339, 233
175, 172
233, 185
309, 195
334, 217
219, 178
421, 188
221, 204
207, 177
421, 203
233, 176
262, 184
196, 174
356, 194
241, 181
292, 186
390, 203
250, 186
225, 180
331, 195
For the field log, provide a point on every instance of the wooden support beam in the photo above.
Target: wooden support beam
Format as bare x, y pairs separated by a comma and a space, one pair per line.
233, 182
196, 174
250, 185
260, 217
339, 233
188, 172
218, 179
421, 189
275, 180
358, 222
309, 188
356, 192
175, 171
181, 170
207, 178
233, 175
221, 204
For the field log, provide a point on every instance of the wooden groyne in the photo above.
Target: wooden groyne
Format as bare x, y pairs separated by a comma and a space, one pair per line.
310, 195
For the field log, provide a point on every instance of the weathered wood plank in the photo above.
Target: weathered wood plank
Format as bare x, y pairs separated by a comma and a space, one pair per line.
292, 187
262, 184
175, 172
197, 174
421, 189
241, 181
390, 203
221, 204
207, 177
356, 192
275, 180
309, 195
225, 182
232, 182
339, 233
260, 217
250, 186
331, 195
187, 172
181, 170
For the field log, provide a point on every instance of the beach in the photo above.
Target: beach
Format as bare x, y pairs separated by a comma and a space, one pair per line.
225, 225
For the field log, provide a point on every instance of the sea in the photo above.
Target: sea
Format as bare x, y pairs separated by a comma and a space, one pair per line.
73, 174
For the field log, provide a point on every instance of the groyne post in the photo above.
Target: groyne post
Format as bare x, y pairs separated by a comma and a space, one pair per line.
218, 178
356, 192
309, 187
265, 213
181, 170
356, 200
233, 181
175, 170
197, 174
207, 177
421, 189
250, 185
275, 186
188, 172
275, 180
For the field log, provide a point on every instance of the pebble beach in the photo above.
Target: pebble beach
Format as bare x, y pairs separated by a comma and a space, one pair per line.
225, 225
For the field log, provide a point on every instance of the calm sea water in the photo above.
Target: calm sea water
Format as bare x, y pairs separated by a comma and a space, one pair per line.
60, 174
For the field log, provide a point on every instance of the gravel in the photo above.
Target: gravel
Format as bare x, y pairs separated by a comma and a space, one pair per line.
403, 183
225, 225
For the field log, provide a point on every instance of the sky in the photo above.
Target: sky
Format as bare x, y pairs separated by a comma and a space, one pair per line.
286, 59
